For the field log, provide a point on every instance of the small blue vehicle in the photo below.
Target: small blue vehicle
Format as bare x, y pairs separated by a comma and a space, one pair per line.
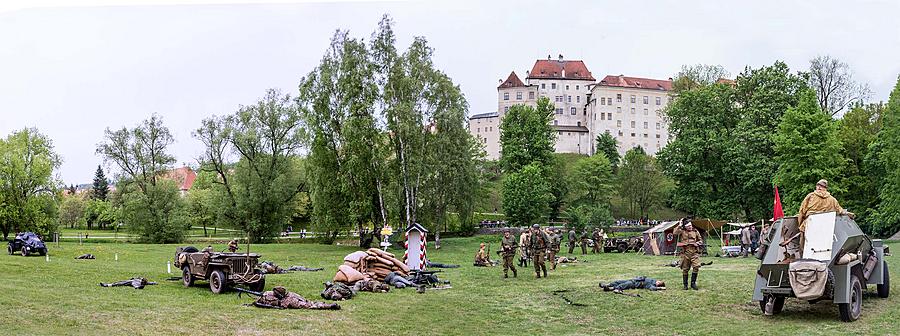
27, 243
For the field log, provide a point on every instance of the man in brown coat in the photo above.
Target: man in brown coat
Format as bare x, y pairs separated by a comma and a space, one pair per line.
537, 246
690, 241
508, 247
745, 241
818, 201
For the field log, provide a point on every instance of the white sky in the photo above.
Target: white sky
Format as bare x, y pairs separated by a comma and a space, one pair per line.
73, 71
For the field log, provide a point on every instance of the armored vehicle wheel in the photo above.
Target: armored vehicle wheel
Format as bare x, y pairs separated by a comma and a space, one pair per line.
884, 289
851, 311
217, 281
777, 306
186, 278
622, 247
42, 252
24, 251
258, 286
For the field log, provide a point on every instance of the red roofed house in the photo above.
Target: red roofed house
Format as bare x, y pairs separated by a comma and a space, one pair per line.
630, 109
565, 82
184, 176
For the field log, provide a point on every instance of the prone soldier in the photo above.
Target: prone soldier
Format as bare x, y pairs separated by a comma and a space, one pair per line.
690, 241
280, 298
137, 283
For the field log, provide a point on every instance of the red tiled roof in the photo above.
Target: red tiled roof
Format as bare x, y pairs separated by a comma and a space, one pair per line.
635, 82
512, 81
726, 81
552, 69
185, 176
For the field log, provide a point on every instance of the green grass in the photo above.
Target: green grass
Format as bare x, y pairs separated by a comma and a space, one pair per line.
62, 297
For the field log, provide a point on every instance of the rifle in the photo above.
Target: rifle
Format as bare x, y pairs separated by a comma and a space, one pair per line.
263, 305
627, 294
241, 291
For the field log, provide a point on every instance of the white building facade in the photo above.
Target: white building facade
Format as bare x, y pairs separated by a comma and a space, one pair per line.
583, 107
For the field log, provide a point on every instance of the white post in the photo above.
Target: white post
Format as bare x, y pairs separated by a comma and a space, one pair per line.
47, 257
117, 257
169, 267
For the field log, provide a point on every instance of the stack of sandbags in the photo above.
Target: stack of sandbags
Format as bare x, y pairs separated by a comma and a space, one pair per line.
379, 263
370, 264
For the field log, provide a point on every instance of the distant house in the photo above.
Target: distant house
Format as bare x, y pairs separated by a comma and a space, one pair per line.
184, 176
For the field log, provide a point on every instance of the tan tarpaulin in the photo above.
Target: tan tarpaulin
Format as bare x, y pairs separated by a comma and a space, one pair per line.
707, 224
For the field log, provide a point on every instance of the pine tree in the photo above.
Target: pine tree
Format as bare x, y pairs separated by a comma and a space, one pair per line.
807, 149
101, 185
884, 162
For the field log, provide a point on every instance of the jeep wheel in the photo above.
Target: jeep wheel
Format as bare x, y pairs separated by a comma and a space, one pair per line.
852, 310
622, 247
24, 251
42, 252
186, 278
884, 289
217, 281
258, 286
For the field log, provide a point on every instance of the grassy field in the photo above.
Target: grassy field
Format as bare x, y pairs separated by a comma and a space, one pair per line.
62, 297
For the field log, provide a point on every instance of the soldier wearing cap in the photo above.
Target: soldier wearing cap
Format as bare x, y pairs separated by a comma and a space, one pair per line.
689, 240
818, 201
537, 246
508, 246
553, 250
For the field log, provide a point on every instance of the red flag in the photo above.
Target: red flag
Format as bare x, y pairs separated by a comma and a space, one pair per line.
778, 212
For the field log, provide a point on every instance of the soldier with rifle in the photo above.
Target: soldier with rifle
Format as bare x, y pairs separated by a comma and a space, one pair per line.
280, 298
537, 247
508, 246
690, 242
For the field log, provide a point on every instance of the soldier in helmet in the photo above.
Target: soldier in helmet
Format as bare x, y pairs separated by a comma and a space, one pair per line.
233, 246
537, 246
279, 297
508, 246
553, 250
690, 242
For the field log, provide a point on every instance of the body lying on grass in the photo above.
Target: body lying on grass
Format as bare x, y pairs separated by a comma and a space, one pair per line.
640, 282
137, 283
280, 298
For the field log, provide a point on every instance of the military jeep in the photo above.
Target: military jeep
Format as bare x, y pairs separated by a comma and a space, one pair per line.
221, 269
844, 261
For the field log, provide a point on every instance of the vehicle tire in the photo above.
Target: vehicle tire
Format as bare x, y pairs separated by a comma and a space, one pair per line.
24, 251
217, 281
776, 307
42, 252
258, 286
851, 311
622, 247
187, 279
884, 289
10, 249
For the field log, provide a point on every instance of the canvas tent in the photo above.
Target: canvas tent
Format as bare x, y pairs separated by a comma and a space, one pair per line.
660, 239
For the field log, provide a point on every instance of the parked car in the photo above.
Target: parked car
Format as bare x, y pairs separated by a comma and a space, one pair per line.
221, 269
27, 243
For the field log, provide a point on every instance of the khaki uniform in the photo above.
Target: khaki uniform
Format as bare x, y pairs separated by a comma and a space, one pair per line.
584, 242
816, 202
689, 241
555, 242
508, 251
571, 241
481, 258
598, 239
524, 238
538, 246
232, 246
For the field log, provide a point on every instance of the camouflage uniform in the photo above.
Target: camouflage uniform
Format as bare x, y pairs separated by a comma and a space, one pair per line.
280, 297
508, 249
537, 246
370, 285
689, 241
337, 291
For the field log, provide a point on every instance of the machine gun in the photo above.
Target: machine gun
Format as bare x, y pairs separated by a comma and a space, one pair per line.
241, 291
427, 278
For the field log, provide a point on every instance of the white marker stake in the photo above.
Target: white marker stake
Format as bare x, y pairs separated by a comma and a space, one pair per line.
117, 257
169, 267
47, 256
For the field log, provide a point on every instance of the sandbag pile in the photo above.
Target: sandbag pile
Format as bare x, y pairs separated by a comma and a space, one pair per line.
370, 264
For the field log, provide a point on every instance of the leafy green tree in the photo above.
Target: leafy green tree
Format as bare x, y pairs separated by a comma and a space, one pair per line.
856, 131
151, 205
526, 195
27, 187
592, 185
641, 182
99, 213
101, 185
608, 146
699, 75
884, 161
807, 149
257, 192
71, 211
526, 136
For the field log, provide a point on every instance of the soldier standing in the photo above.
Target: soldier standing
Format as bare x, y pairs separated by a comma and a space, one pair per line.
233, 246
555, 242
584, 241
524, 238
689, 240
571, 240
508, 249
537, 246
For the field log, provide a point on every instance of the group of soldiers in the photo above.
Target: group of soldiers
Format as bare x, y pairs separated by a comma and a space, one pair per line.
538, 246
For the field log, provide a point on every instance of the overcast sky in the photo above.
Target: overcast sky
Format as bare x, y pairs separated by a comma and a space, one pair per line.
74, 71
